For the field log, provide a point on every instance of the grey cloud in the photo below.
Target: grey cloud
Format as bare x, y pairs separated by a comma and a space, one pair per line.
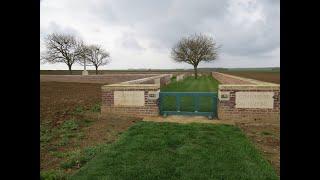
126, 11
164, 22
105, 11
238, 40
56, 28
129, 42
158, 25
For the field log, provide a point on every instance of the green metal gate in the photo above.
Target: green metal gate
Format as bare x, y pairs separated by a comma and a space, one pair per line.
188, 103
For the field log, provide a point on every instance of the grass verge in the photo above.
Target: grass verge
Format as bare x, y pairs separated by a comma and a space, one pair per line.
151, 150
190, 84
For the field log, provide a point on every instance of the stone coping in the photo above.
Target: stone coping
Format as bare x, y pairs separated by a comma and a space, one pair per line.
249, 87
130, 86
92, 75
250, 81
137, 81
135, 84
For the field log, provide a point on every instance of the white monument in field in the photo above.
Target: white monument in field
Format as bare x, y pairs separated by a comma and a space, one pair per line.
85, 72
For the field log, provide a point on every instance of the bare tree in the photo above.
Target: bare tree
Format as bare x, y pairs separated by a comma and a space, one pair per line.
96, 56
194, 49
62, 48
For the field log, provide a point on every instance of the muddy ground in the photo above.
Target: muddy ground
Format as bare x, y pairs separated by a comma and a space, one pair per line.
58, 99
266, 137
70, 122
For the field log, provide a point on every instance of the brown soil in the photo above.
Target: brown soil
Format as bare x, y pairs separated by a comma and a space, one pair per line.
58, 99
185, 119
103, 130
273, 77
266, 136
106, 129
57, 103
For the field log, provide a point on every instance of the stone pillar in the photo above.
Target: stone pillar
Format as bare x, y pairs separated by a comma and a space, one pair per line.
85, 72
157, 81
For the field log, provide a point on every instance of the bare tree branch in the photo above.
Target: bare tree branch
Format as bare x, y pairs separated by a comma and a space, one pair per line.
195, 49
62, 48
96, 56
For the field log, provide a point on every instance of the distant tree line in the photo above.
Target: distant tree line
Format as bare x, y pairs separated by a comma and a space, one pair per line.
66, 48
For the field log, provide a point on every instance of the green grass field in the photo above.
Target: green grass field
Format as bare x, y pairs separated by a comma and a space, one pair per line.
151, 150
190, 84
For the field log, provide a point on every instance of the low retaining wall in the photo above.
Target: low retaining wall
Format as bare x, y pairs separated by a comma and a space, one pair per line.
160, 79
242, 99
239, 99
134, 98
180, 77
229, 79
100, 79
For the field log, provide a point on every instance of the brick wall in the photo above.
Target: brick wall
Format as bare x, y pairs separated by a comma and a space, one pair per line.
227, 108
130, 103
100, 79
150, 107
230, 85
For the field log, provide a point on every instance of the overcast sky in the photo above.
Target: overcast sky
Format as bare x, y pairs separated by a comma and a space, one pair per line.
140, 33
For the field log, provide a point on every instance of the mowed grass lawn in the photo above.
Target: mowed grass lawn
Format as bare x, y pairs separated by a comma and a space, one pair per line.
190, 84
150, 150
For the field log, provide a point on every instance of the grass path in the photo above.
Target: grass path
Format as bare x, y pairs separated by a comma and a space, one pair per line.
190, 84
150, 150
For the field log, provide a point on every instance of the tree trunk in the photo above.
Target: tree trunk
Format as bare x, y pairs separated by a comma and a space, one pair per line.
96, 69
70, 71
195, 72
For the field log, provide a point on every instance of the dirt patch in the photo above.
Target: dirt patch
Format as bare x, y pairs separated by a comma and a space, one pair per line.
106, 129
187, 119
70, 122
266, 136
58, 99
101, 130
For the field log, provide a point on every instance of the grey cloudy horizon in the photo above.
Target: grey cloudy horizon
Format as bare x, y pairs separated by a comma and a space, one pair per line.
141, 33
